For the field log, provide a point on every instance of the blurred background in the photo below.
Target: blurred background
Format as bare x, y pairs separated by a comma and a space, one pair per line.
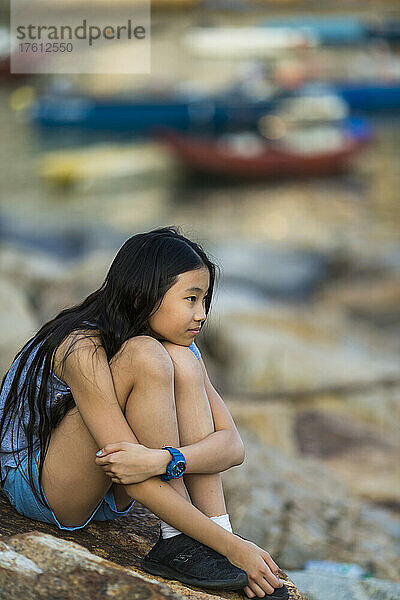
270, 132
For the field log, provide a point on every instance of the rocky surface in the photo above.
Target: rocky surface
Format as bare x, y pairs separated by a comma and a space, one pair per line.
102, 560
321, 586
354, 435
340, 339
323, 436
299, 510
289, 349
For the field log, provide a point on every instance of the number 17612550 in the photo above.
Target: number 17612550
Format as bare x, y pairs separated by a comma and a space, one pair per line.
46, 47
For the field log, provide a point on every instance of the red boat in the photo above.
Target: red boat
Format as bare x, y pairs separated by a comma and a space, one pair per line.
249, 156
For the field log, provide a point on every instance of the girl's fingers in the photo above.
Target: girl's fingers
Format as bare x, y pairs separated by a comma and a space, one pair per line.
249, 593
109, 448
262, 591
111, 474
271, 563
269, 571
103, 459
272, 579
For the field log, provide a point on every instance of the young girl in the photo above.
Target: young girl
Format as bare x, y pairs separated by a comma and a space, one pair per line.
121, 372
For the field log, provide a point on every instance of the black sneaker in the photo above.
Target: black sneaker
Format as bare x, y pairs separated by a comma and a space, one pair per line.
185, 559
281, 593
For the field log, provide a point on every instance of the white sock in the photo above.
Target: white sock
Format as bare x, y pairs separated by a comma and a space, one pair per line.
223, 520
168, 531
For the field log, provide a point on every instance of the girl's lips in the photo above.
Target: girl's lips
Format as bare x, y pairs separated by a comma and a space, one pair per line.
194, 331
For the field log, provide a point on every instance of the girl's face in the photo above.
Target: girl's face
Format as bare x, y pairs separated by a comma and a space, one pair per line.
182, 308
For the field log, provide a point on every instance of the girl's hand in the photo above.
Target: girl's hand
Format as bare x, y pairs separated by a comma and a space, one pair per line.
127, 462
262, 571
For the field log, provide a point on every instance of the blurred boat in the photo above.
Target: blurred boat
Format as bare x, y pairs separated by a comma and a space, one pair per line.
363, 96
241, 42
88, 165
370, 96
231, 110
317, 151
234, 109
139, 115
308, 109
326, 30
143, 114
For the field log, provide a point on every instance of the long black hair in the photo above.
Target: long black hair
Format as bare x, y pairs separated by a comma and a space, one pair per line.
144, 268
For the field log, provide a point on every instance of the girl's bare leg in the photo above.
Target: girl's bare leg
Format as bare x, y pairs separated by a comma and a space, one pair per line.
143, 378
195, 422
144, 384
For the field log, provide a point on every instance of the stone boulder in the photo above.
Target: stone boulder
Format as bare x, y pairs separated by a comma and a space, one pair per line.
298, 510
49, 282
283, 348
354, 435
102, 560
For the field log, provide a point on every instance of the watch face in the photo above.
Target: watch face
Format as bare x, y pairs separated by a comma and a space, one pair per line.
178, 468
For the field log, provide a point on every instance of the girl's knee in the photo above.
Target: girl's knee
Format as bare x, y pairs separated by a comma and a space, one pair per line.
148, 355
184, 361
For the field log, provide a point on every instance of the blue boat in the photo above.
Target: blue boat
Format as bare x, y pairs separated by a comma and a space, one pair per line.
369, 96
117, 114
338, 30
362, 96
144, 116
229, 111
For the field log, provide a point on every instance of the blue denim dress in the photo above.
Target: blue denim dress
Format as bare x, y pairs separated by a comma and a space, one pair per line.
16, 485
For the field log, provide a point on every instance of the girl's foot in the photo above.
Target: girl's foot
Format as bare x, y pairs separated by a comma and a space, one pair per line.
185, 559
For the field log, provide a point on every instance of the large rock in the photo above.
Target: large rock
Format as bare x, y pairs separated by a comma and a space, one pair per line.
298, 510
364, 457
37, 565
285, 348
272, 268
102, 560
374, 299
355, 436
51, 283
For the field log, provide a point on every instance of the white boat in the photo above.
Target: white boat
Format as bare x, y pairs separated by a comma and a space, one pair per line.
308, 109
245, 42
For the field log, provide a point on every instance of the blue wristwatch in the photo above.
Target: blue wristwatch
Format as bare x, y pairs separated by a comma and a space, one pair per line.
176, 467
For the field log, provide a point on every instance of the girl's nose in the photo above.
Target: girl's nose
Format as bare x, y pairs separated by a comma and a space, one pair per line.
200, 315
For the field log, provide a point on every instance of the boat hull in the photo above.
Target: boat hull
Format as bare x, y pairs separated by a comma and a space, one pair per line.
207, 156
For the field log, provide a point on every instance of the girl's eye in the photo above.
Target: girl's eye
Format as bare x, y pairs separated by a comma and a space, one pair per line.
188, 298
